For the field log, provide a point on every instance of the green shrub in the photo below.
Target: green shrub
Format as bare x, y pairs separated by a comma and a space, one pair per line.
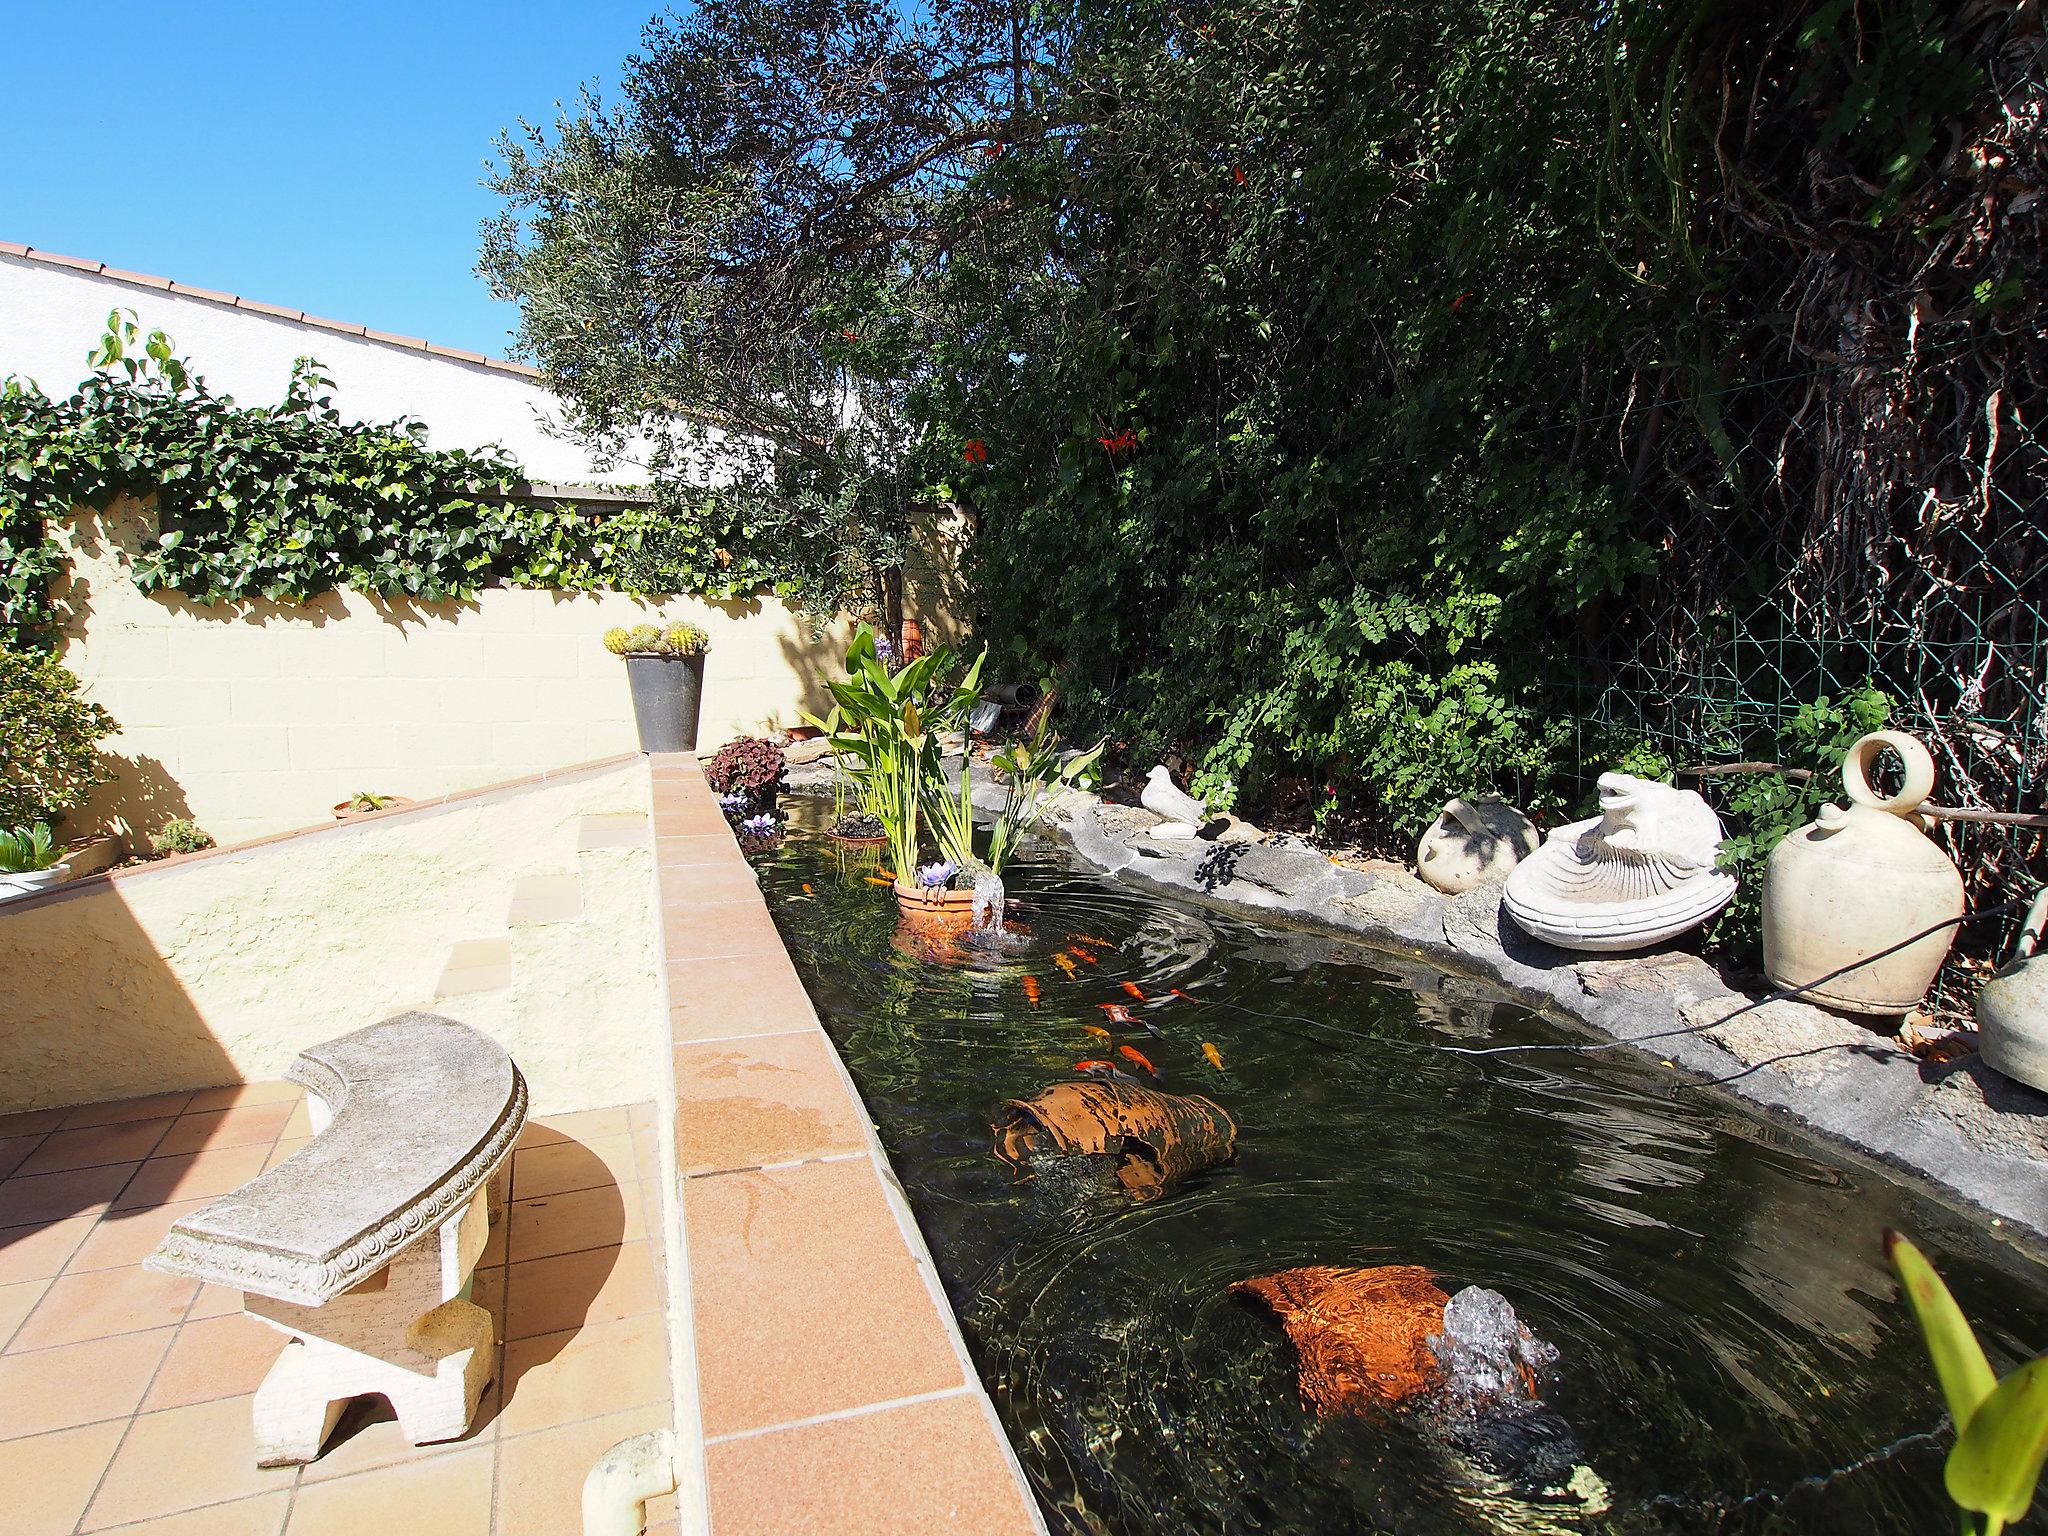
179, 835
49, 738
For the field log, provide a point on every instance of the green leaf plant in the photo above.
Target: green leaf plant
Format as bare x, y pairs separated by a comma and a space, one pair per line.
2001, 1426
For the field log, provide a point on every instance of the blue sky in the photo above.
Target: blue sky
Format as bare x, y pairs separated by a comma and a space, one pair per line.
324, 156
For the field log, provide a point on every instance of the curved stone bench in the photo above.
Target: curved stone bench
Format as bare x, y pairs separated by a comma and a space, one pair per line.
359, 1247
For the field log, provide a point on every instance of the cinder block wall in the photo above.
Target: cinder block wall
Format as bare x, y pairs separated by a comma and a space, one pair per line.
257, 719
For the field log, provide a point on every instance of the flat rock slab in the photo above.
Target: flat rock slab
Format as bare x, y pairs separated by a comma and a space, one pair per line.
1801, 1041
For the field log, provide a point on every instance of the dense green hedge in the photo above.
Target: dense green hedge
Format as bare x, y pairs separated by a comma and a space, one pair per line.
283, 502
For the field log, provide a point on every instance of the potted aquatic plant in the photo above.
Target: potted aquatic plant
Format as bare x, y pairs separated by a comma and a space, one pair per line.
886, 733
665, 670
364, 802
746, 772
30, 860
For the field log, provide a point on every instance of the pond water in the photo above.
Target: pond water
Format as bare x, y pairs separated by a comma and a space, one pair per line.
1730, 1353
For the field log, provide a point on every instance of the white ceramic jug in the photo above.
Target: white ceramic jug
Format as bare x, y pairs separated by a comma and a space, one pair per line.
1857, 882
2012, 1007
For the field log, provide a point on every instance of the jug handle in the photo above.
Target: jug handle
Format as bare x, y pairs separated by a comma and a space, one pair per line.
2029, 941
1862, 757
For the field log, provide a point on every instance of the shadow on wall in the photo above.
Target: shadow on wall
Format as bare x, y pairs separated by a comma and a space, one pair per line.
138, 795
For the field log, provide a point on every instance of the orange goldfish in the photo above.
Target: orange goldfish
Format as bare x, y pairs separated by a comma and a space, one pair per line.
877, 880
1118, 1013
1078, 950
807, 889
1064, 962
1135, 990
888, 875
1097, 1031
1089, 938
1215, 1056
1132, 1053
1094, 1066
1182, 995
1031, 990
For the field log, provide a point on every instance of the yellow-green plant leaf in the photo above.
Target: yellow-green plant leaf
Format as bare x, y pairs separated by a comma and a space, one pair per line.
1997, 1457
1959, 1363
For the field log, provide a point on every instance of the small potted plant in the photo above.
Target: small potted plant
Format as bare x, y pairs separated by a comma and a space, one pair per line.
180, 835
30, 860
364, 802
759, 832
929, 902
665, 670
748, 772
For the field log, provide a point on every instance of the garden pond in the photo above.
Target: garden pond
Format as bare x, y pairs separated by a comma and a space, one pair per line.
1732, 1355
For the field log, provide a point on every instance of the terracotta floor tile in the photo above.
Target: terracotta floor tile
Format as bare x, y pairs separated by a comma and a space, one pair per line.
494, 1243
806, 1299
852, 1477
180, 1459
300, 1125
49, 1478
194, 1176
31, 1122
561, 1378
720, 999
260, 1516
577, 1125
574, 1290
236, 1095
562, 1166
681, 852
767, 1100
448, 1495
368, 1437
14, 1151
38, 1251
16, 1302
285, 1149
54, 1196
603, 1217
125, 1238
215, 1357
101, 1303
214, 1301
726, 928
112, 1111
702, 885
244, 1125
540, 1477
94, 1146
77, 1384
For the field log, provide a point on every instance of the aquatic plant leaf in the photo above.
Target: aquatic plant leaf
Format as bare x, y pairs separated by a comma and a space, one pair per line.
1966, 1376
1997, 1458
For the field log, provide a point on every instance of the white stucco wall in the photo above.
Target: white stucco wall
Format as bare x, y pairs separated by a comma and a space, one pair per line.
52, 316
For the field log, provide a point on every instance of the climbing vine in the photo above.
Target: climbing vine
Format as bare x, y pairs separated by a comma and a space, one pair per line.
281, 503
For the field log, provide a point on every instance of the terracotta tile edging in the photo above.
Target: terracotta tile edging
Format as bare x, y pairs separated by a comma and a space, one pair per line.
433, 805
681, 776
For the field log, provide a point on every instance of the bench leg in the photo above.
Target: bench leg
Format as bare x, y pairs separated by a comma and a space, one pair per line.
295, 1408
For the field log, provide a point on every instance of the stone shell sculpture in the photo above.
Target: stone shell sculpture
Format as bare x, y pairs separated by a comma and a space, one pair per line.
1640, 872
1473, 842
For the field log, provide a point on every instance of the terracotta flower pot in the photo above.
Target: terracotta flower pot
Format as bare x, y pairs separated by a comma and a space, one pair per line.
345, 810
935, 913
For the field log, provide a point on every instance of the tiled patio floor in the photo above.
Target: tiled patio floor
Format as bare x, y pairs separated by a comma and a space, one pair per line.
124, 1395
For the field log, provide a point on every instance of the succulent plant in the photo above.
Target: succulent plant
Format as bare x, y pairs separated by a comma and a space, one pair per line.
179, 835
657, 640
27, 849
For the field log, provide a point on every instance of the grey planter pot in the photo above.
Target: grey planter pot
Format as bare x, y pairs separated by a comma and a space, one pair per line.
667, 691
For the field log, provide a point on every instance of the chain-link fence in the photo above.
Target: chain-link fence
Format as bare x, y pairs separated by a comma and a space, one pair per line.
1799, 560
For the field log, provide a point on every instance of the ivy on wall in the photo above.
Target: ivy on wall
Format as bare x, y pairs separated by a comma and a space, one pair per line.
281, 503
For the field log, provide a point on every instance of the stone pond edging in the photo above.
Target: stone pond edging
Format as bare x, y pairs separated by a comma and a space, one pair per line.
1957, 1125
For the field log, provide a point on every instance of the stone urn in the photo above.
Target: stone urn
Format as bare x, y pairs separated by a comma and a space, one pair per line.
1859, 882
2012, 1007
1474, 842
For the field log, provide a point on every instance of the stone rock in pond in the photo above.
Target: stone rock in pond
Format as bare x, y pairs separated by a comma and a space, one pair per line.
1640, 872
1473, 843
1175, 832
1163, 797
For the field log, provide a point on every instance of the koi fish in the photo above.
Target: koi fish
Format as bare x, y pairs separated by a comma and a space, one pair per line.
877, 880
807, 890
1097, 1031
888, 875
1064, 963
1089, 938
1031, 990
1118, 1013
1135, 990
1083, 954
1094, 1067
1133, 1054
1215, 1056
1182, 995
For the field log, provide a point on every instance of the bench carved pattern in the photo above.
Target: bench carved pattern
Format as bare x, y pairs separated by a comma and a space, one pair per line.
359, 1247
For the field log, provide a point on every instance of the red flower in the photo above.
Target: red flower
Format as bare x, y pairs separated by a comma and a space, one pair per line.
975, 451
1119, 443
1237, 171
1459, 302
850, 334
